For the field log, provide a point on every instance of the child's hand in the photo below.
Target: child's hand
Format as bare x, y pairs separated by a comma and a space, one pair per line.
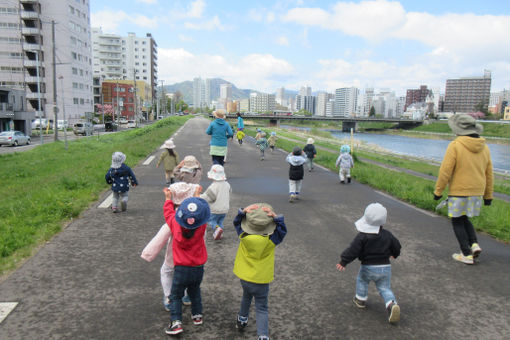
198, 191
133, 185
340, 267
392, 257
269, 212
168, 193
250, 208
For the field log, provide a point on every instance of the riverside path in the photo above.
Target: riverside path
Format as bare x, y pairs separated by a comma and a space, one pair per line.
89, 281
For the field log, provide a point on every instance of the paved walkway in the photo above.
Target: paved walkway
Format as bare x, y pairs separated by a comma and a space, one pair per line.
89, 282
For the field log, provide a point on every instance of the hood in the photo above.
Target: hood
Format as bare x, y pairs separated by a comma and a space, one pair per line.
474, 145
345, 156
296, 160
220, 121
123, 167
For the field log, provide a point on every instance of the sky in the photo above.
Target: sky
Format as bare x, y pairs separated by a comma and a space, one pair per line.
264, 45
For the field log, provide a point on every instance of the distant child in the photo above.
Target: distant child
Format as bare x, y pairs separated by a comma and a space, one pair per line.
259, 134
218, 197
170, 159
272, 141
374, 246
262, 143
310, 152
189, 170
120, 176
260, 230
296, 172
189, 255
240, 135
345, 162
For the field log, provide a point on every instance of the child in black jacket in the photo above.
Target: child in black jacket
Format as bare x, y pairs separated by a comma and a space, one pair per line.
296, 172
373, 246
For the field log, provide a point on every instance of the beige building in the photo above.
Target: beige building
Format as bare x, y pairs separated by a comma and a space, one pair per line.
506, 115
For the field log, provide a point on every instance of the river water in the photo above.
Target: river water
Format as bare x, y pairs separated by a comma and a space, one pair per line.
424, 148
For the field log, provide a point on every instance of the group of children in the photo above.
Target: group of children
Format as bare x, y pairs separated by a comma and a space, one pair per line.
188, 211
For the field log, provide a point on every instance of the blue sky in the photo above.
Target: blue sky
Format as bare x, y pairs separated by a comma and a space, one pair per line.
323, 44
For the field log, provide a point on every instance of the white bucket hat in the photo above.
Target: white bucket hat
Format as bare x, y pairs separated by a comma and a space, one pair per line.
217, 173
310, 141
169, 144
117, 159
374, 217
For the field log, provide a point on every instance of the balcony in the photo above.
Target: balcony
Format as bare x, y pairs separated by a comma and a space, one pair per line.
29, 15
29, 1
33, 80
30, 31
31, 47
30, 63
6, 107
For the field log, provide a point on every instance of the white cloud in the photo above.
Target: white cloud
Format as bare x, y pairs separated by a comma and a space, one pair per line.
185, 38
110, 20
270, 16
150, 2
213, 24
261, 15
196, 9
256, 71
282, 40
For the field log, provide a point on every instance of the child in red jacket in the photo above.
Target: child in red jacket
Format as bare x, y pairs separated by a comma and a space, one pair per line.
188, 226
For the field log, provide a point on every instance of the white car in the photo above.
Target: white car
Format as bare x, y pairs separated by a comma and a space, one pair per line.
131, 124
14, 138
62, 124
123, 120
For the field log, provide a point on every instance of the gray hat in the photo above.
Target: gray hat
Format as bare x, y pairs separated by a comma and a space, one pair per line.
257, 222
374, 217
117, 159
463, 125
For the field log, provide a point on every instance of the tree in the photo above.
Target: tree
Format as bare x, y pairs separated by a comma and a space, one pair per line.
372, 112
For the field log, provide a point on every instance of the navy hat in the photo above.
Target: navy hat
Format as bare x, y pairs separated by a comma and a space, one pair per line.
192, 213
296, 151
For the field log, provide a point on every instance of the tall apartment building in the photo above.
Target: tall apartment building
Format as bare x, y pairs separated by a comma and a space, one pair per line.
202, 93
346, 101
262, 102
322, 100
330, 107
416, 95
280, 96
226, 91
465, 94
26, 57
306, 103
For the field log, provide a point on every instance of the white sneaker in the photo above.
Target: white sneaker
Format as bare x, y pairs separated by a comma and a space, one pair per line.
218, 233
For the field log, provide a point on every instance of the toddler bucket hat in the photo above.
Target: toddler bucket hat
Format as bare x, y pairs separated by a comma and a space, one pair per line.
219, 114
257, 222
190, 162
463, 125
193, 213
217, 173
345, 149
181, 191
117, 159
310, 141
169, 144
374, 217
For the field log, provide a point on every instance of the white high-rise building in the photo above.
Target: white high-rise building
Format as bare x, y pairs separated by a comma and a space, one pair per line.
226, 91
346, 101
305, 91
280, 96
26, 46
322, 100
262, 102
202, 94
330, 107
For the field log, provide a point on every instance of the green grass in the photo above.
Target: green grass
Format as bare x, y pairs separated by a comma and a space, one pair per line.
44, 187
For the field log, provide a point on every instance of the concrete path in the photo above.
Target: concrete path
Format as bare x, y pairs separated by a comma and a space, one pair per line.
89, 282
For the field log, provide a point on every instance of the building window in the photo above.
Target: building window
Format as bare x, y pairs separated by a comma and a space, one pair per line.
82, 101
75, 101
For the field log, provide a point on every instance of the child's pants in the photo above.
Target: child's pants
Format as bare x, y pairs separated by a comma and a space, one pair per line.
216, 220
260, 292
169, 176
344, 173
262, 153
309, 162
116, 195
381, 275
295, 186
240, 141
186, 278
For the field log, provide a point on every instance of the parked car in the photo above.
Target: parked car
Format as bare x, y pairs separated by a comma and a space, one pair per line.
62, 124
41, 123
83, 128
123, 120
14, 138
110, 126
131, 124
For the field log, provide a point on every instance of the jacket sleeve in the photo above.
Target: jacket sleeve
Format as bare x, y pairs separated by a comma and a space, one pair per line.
489, 179
161, 157
230, 133
169, 212
395, 247
280, 230
209, 129
314, 150
157, 243
338, 160
353, 251
237, 221
446, 169
132, 177
209, 195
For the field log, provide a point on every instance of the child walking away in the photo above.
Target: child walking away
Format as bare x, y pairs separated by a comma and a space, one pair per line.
272, 141
240, 136
189, 256
189, 170
258, 135
296, 172
345, 162
260, 230
374, 246
218, 197
310, 152
120, 176
262, 143
170, 159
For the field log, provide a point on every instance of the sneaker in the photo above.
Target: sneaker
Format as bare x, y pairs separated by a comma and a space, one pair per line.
186, 300
242, 322
342, 182
174, 328
263, 337
393, 312
291, 198
115, 210
296, 197
123, 206
348, 180
464, 259
475, 250
197, 319
218, 233
359, 303
166, 303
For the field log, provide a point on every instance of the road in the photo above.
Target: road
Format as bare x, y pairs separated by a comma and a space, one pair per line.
89, 281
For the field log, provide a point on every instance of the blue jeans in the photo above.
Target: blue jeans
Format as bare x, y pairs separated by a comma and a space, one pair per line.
260, 292
381, 275
186, 278
216, 219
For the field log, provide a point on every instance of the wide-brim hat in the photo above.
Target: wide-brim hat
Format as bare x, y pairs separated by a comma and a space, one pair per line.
182, 190
217, 173
193, 213
219, 114
168, 144
374, 217
257, 222
345, 148
190, 162
117, 159
463, 125
310, 141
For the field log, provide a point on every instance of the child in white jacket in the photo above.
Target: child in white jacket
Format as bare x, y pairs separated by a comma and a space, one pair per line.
346, 163
218, 197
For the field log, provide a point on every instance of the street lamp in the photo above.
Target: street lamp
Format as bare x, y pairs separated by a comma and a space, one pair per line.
63, 109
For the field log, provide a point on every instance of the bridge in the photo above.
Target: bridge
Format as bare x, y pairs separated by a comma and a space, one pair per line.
347, 122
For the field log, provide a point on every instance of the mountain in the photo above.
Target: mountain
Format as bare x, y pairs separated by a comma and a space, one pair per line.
186, 88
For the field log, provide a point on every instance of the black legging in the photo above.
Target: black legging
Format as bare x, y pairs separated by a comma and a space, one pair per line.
465, 233
218, 160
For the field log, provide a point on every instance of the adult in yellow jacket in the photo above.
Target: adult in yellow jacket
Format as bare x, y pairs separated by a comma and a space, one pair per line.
260, 230
467, 170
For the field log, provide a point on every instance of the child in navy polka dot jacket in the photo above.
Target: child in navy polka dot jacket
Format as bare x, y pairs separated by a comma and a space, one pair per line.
120, 176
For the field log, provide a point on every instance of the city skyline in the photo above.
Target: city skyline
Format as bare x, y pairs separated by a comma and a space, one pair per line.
323, 44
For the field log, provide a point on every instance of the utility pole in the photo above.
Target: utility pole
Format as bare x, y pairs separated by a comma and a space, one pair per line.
163, 97
63, 108
136, 104
39, 94
55, 108
118, 108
